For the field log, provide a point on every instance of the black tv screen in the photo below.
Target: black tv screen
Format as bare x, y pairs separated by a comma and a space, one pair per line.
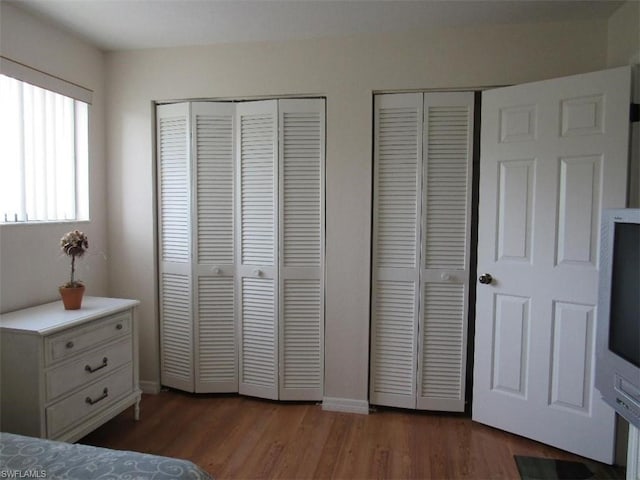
624, 324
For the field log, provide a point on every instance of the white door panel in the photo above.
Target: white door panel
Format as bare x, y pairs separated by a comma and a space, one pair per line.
215, 353
553, 155
256, 240
396, 240
445, 243
174, 225
301, 248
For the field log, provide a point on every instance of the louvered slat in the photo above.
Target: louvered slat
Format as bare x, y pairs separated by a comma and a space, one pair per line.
443, 341
257, 170
398, 137
174, 188
394, 338
447, 160
301, 195
258, 333
301, 342
214, 165
176, 329
216, 331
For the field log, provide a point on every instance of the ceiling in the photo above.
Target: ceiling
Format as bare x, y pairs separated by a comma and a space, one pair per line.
133, 24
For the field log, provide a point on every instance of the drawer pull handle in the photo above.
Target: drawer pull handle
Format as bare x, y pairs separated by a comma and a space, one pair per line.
91, 370
119, 326
69, 344
91, 401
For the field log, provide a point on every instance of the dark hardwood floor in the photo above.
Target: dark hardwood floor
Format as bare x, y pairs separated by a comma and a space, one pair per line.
241, 437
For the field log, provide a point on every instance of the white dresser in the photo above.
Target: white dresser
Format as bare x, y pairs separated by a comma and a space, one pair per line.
64, 373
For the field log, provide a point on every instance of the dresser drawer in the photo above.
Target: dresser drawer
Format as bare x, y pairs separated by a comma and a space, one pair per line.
92, 399
87, 368
75, 340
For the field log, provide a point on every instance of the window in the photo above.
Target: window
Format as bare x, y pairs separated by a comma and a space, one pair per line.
44, 152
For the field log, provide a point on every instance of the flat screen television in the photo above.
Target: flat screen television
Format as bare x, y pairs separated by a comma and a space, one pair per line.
618, 320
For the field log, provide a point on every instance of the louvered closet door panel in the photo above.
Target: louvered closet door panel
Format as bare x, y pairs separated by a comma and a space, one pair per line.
173, 163
256, 239
301, 252
443, 347
173, 154
177, 331
446, 220
213, 154
257, 175
216, 368
259, 354
394, 346
394, 305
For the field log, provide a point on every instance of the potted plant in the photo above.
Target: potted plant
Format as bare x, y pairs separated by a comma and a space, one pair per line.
74, 244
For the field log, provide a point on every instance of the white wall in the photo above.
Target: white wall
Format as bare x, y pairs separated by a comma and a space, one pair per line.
31, 266
347, 71
623, 36
623, 48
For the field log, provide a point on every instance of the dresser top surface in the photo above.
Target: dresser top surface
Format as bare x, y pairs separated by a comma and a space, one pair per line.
52, 317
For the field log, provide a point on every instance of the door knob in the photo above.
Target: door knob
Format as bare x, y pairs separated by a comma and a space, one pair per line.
485, 278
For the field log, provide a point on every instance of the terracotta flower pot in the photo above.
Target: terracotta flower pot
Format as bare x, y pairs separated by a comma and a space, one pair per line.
72, 297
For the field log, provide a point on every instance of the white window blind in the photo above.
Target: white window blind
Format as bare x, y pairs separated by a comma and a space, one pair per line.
44, 152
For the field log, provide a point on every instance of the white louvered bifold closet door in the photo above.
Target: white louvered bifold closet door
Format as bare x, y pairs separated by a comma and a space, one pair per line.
420, 272
446, 227
215, 352
256, 242
395, 270
301, 248
174, 213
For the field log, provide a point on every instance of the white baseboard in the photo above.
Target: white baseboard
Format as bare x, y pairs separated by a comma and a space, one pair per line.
347, 405
152, 388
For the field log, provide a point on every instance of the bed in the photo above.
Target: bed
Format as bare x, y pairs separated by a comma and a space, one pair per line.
27, 457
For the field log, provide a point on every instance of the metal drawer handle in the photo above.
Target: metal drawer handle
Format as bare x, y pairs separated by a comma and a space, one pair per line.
69, 344
91, 370
119, 326
105, 394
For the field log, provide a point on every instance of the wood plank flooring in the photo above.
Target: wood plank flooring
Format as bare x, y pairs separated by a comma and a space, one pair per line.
241, 437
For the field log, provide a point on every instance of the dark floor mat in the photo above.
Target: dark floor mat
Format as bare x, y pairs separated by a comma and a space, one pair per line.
536, 468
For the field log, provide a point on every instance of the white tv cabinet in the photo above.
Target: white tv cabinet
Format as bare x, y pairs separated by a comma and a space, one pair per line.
64, 373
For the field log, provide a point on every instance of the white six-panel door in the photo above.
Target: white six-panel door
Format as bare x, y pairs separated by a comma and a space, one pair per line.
422, 199
553, 155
